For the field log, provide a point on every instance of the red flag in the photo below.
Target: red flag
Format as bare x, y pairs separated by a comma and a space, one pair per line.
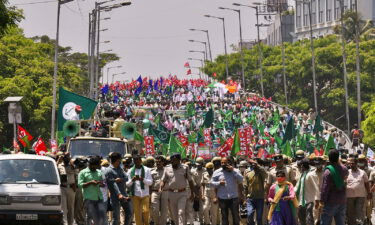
188, 72
214, 75
149, 145
207, 137
226, 148
40, 147
24, 136
187, 65
184, 140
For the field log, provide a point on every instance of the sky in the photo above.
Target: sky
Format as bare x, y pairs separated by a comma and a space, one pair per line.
150, 36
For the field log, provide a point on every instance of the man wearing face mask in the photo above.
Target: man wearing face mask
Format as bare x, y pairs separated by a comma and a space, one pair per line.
363, 165
254, 192
176, 178
159, 201
68, 187
317, 172
217, 162
228, 182
210, 208
306, 191
289, 172
358, 189
198, 176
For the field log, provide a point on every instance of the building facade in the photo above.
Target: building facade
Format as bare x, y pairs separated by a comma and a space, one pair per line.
325, 14
280, 30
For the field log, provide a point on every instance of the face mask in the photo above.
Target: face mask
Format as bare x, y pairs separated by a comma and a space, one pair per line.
210, 172
280, 179
361, 164
224, 167
242, 169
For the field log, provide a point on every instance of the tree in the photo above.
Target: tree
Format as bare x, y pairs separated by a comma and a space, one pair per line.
352, 21
330, 88
368, 124
9, 16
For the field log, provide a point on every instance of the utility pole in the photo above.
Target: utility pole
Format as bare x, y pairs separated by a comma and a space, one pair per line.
280, 10
92, 51
55, 68
97, 69
343, 41
358, 67
313, 58
260, 52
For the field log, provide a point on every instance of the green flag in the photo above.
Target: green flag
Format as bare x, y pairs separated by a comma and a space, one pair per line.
318, 127
287, 150
330, 144
138, 137
67, 104
289, 131
192, 138
175, 146
236, 144
273, 129
200, 138
190, 110
278, 141
161, 135
209, 118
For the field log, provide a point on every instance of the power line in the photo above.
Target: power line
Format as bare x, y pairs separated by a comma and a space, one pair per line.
33, 3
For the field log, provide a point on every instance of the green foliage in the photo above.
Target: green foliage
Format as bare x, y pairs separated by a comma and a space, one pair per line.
9, 16
26, 69
368, 124
330, 87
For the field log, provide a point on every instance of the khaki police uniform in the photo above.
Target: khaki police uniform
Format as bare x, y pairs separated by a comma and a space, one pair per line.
177, 182
289, 173
198, 178
68, 191
210, 209
159, 201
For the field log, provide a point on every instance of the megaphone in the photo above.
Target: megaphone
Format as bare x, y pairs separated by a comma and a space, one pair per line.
128, 130
71, 128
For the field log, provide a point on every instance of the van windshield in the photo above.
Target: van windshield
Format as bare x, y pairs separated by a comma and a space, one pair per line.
27, 171
94, 147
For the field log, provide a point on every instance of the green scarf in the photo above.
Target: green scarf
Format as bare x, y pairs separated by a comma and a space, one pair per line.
132, 174
336, 176
301, 184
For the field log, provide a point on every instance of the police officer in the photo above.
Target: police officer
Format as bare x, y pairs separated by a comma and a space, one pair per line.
289, 172
198, 176
210, 208
176, 177
300, 155
68, 187
159, 200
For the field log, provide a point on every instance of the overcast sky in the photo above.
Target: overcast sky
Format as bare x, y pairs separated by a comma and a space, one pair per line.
150, 36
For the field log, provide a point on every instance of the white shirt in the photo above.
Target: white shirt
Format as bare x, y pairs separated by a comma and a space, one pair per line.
147, 180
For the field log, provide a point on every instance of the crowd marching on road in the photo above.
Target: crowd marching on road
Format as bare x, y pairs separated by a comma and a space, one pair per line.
219, 156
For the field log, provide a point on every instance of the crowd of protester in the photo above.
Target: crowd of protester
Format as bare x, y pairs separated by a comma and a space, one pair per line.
312, 182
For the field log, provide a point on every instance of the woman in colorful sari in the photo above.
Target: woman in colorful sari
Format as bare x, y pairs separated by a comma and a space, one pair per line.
283, 202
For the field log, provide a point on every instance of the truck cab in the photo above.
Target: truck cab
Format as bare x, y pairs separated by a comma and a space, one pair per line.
85, 146
29, 190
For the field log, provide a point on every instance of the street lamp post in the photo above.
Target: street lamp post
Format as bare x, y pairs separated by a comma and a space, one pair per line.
241, 44
108, 72
200, 60
53, 119
358, 68
343, 43
204, 54
260, 58
225, 43
113, 75
208, 41
312, 53
205, 46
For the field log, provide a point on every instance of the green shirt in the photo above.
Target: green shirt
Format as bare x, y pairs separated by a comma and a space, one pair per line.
254, 183
90, 192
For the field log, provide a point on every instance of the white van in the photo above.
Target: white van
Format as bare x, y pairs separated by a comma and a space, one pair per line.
29, 190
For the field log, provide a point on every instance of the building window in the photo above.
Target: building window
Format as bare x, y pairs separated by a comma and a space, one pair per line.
328, 10
321, 11
305, 15
313, 12
337, 10
298, 13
